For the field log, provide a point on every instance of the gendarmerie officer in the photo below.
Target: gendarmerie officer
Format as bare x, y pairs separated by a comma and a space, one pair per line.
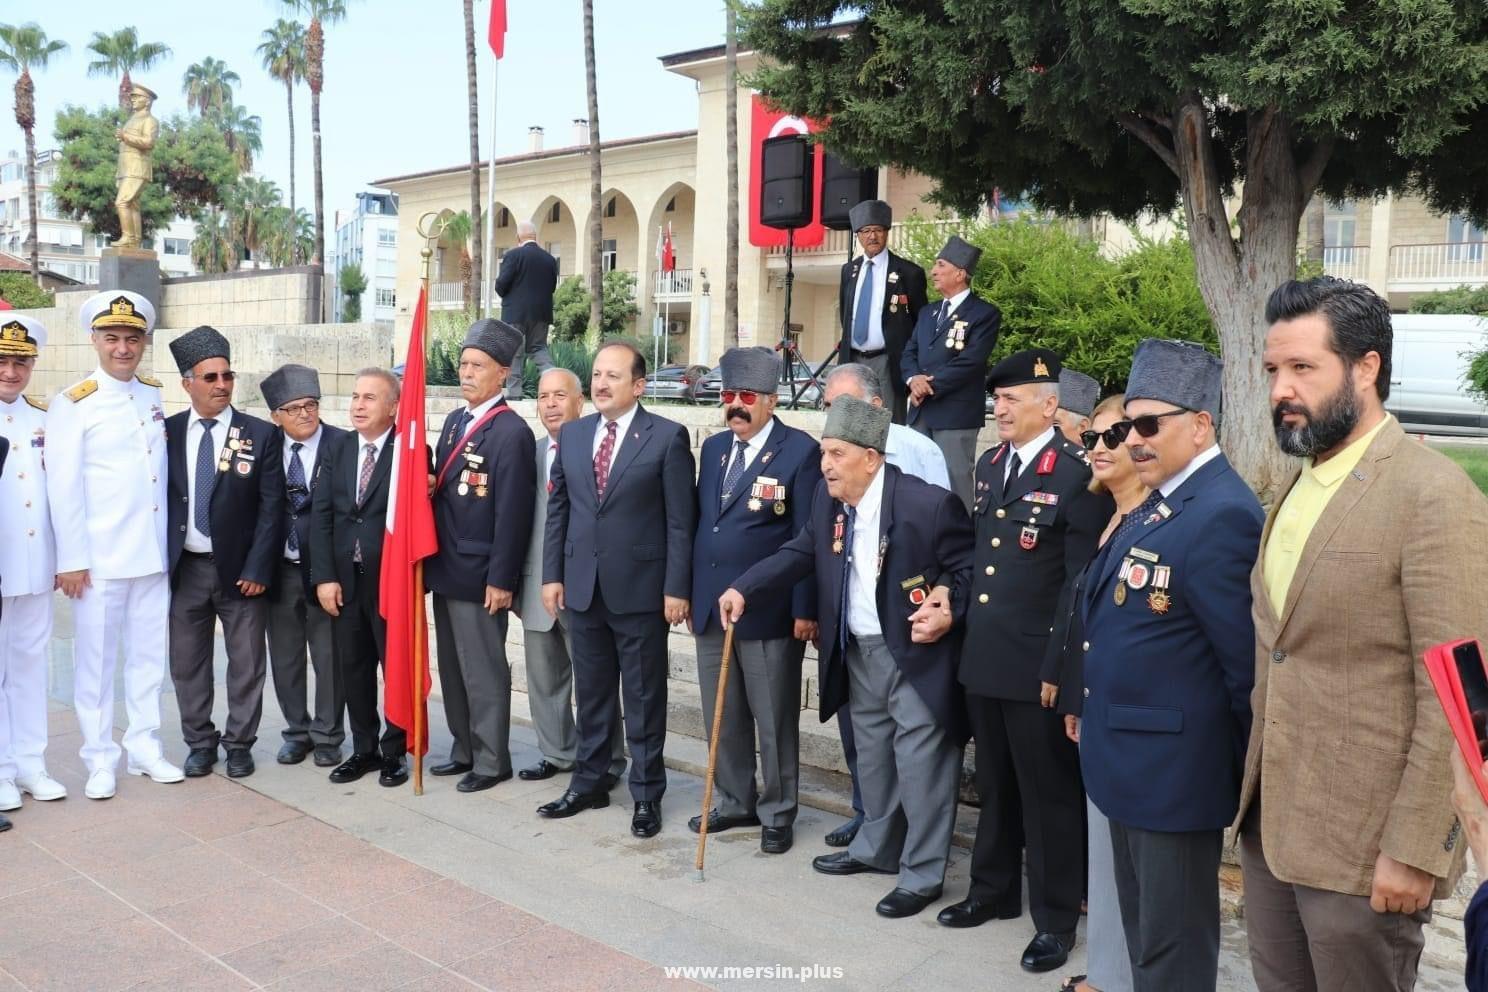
879, 296
296, 620
1037, 524
755, 485
484, 474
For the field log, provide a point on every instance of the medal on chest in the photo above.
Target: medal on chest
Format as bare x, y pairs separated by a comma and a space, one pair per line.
956, 336
839, 530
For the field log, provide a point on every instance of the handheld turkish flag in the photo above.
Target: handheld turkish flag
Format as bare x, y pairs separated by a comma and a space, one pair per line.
410, 539
496, 35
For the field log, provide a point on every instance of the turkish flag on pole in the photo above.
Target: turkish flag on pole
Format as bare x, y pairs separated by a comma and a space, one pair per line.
410, 539
668, 252
497, 33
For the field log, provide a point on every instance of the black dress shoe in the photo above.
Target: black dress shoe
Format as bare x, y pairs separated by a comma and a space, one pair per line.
200, 761
843, 863
647, 819
571, 803
843, 835
480, 783
327, 756
1047, 951
544, 769
5, 823
902, 902
292, 753
394, 772
450, 768
355, 767
718, 822
239, 762
973, 912
775, 840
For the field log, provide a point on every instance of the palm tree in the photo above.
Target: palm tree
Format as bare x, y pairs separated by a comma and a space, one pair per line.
321, 13
251, 215
283, 54
208, 85
731, 140
242, 131
477, 265
596, 208
214, 249
121, 52
459, 229
22, 47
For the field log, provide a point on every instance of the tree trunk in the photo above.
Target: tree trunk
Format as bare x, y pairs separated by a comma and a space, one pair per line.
32, 248
731, 195
475, 287
125, 85
596, 207
294, 248
315, 75
1316, 230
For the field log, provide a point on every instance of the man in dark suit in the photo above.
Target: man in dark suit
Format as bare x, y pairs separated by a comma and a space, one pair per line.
349, 520
525, 284
618, 557
880, 296
1037, 524
945, 363
299, 630
1169, 666
891, 556
755, 485
482, 515
225, 533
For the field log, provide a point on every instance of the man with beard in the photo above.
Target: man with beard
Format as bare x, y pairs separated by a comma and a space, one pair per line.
1372, 554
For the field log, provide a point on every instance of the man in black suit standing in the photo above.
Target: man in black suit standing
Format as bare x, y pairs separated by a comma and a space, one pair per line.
349, 512
881, 294
525, 284
618, 555
483, 515
225, 530
296, 621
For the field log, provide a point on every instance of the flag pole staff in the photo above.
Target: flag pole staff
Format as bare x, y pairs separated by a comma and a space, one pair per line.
488, 291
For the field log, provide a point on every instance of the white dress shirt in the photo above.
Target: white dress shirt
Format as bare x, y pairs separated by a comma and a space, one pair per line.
28, 558
951, 304
623, 427
1026, 453
877, 268
196, 541
915, 454
862, 592
308, 454
1199, 461
361, 450
752, 447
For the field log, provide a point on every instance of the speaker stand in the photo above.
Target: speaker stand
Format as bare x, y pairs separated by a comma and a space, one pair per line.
794, 360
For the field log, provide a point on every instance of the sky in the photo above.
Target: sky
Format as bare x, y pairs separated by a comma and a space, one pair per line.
395, 96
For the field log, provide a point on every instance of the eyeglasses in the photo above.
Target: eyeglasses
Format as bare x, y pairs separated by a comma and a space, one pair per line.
212, 377
304, 409
746, 396
873, 231
1149, 424
1112, 436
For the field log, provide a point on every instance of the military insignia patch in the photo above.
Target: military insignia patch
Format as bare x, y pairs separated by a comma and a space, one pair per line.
1028, 539
917, 596
1137, 576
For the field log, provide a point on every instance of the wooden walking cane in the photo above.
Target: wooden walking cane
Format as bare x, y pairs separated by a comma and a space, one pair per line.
723, 670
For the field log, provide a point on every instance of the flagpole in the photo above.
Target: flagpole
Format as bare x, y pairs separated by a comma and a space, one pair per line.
488, 291
420, 663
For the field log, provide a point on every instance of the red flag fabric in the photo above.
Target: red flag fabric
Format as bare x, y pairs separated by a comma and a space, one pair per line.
409, 540
767, 122
496, 35
668, 252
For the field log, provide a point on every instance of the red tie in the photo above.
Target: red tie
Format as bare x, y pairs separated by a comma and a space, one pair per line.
602, 460
553, 448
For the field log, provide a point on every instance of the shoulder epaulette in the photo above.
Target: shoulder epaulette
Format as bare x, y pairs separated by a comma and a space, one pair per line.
82, 390
36, 404
148, 381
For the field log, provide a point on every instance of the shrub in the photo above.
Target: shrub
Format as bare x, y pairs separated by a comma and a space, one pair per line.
19, 291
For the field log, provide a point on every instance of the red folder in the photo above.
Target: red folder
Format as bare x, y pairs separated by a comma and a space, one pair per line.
1441, 665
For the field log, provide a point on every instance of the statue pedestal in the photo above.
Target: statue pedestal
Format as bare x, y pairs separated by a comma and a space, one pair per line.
134, 269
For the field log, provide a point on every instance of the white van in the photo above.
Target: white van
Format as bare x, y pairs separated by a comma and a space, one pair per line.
1428, 394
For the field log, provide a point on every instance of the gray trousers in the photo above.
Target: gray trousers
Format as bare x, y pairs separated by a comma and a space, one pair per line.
959, 448
908, 770
1168, 885
198, 602
764, 696
535, 350
550, 698
295, 623
1107, 961
475, 680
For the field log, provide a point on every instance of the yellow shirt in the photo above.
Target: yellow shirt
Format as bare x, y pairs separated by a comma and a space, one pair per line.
1300, 511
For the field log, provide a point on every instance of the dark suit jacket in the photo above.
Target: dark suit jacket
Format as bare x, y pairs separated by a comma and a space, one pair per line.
926, 539
339, 521
960, 374
301, 522
247, 502
525, 284
1050, 506
636, 543
1167, 710
483, 532
1064, 665
733, 536
905, 279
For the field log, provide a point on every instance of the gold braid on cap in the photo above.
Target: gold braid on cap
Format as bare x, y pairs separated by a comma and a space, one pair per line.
16, 341
120, 313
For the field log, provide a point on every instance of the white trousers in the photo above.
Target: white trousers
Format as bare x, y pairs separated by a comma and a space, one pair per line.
120, 613
25, 641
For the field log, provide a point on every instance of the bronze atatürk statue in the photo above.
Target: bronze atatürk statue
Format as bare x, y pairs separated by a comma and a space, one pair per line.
136, 141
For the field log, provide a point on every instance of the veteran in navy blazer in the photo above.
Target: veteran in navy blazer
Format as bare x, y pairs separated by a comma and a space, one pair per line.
525, 282
879, 296
1169, 666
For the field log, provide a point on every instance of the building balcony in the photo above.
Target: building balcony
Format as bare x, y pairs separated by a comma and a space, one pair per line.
673, 286
450, 295
1349, 262
1424, 268
835, 245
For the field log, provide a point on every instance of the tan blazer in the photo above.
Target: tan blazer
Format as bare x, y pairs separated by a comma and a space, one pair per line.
1349, 745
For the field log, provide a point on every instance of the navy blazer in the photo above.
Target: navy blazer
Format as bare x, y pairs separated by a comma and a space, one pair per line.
735, 535
300, 522
636, 543
525, 283
960, 375
904, 279
926, 539
1166, 714
482, 507
247, 502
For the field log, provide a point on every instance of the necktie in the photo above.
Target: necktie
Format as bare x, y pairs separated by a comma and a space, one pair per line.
1015, 465
945, 307
843, 630
602, 459
298, 492
369, 462
735, 470
463, 424
864, 307
206, 479
552, 457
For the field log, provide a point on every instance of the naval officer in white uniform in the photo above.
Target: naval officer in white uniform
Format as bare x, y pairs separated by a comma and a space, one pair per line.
106, 486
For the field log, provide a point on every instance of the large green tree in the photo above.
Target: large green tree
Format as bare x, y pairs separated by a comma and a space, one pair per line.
1236, 112
120, 53
319, 13
208, 85
22, 48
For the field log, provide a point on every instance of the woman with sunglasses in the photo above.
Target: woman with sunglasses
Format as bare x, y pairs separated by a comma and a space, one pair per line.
1113, 472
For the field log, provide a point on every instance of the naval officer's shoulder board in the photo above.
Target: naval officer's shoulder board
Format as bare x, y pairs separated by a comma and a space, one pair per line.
36, 404
81, 391
149, 381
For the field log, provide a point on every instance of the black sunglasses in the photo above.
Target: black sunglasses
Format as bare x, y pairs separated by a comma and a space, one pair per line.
212, 377
1113, 436
1148, 424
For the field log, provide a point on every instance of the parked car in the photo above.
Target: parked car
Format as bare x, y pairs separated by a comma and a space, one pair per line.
674, 382
1428, 365
809, 396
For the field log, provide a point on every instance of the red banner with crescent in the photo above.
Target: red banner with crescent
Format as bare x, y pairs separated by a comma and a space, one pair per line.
767, 122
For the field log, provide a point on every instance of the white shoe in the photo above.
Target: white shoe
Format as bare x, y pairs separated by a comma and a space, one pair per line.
10, 797
100, 785
41, 787
158, 770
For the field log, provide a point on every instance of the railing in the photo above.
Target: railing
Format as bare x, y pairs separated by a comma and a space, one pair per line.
677, 283
1347, 262
446, 295
1453, 264
838, 242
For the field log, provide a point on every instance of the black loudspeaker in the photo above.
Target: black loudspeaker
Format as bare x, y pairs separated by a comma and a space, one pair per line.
786, 166
843, 188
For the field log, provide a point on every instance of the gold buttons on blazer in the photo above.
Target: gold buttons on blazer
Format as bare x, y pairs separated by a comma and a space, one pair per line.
1001, 513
